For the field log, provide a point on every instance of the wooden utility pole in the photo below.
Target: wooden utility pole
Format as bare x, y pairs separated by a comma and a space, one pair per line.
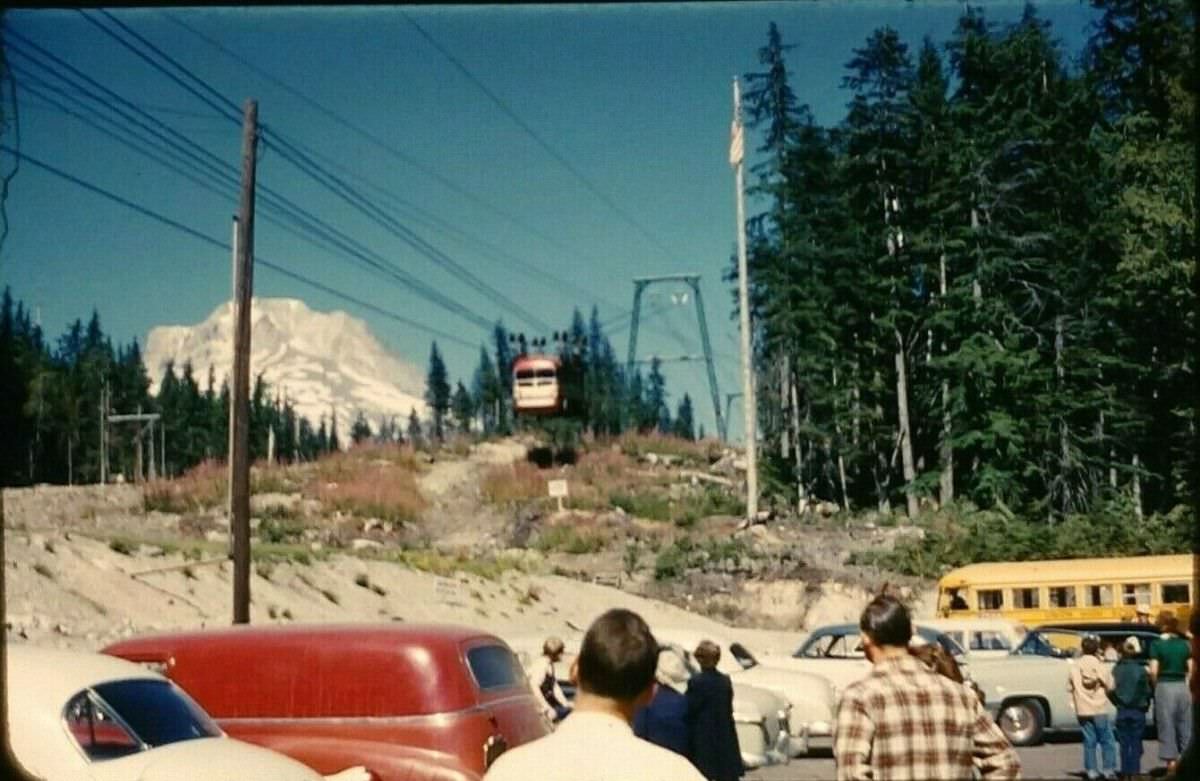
749, 408
239, 403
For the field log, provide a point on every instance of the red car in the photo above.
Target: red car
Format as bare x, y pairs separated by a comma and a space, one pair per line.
407, 702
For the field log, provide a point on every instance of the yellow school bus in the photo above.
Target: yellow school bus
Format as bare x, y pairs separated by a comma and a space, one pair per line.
1038, 592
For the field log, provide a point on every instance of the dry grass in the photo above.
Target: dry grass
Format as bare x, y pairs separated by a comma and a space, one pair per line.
380, 489
204, 485
698, 453
516, 483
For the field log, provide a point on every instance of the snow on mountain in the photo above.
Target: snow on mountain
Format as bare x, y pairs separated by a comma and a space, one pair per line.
319, 360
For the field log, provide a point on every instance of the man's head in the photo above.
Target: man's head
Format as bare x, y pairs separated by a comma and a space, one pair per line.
707, 654
1131, 648
1168, 623
618, 658
1142, 614
1090, 645
886, 627
553, 648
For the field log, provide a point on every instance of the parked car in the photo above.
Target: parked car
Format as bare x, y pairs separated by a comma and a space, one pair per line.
77, 716
836, 653
981, 638
406, 701
1027, 691
810, 721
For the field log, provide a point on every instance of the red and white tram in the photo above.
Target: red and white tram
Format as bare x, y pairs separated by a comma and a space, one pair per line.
537, 387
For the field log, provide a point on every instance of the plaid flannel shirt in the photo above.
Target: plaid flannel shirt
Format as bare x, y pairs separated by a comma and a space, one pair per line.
905, 722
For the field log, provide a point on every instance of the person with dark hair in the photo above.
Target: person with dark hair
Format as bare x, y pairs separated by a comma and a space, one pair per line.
1089, 682
664, 721
1170, 667
1131, 695
942, 662
712, 737
614, 673
906, 721
544, 675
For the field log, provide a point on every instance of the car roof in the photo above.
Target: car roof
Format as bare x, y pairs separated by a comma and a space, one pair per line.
927, 632
447, 635
1099, 627
53, 675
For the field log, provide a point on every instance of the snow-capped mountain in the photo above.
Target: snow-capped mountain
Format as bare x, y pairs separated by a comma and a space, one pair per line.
318, 360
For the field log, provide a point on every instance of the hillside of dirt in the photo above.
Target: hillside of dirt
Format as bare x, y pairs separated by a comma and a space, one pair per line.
464, 535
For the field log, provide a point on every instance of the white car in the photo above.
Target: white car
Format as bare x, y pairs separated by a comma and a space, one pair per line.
835, 652
77, 716
812, 698
981, 638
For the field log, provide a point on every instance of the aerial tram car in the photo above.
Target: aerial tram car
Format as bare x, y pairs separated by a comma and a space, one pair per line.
544, 384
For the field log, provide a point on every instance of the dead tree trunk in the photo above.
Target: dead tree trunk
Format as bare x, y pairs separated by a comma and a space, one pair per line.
905, 434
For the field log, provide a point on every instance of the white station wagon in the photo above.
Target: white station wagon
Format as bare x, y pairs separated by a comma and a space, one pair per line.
77, 716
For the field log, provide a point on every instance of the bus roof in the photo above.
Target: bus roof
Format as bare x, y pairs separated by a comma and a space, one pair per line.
1070, 571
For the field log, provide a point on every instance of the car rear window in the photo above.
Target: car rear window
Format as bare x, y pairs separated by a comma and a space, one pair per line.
493, 666
158, 712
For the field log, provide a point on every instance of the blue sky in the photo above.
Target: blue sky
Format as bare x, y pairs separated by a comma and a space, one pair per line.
636, 98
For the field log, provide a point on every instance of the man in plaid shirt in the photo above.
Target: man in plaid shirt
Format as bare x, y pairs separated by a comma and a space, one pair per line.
904, 722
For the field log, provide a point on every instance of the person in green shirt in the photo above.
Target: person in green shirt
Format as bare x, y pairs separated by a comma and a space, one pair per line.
1170, 668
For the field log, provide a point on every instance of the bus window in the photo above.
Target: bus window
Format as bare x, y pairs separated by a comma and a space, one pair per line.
1176, 593
1025, 597
990, 598
1062, 596
1135, 594
1099, 596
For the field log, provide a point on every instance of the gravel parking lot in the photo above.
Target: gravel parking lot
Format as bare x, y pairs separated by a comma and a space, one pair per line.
1059, 760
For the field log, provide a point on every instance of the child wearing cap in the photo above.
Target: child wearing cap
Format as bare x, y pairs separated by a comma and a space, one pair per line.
1131, 695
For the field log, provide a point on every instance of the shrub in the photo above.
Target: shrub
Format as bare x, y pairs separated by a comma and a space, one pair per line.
278, 531
513, 484
122, 545
380, 489
568, 540
203, 486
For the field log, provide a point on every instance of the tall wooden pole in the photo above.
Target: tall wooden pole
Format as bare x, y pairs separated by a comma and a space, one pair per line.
749, 408
239, 428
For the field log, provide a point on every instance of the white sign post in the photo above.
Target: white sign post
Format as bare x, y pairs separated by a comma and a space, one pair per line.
557, 490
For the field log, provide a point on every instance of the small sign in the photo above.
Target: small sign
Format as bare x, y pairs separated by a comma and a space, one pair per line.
557, 488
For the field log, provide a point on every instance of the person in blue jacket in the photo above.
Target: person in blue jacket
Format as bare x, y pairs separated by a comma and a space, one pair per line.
713, 740
664, 721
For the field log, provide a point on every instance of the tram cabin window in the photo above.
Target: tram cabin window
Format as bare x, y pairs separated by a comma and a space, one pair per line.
990, 599
1135, 594
1062, 596
1176, 593
1025, 597
1099, 596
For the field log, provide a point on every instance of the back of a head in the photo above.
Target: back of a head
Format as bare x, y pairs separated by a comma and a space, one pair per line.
1090, 644
618, 656
707, 654
886, 621
553, 646
1168, 623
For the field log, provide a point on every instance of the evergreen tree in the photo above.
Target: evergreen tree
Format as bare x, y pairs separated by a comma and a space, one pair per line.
361, 430
485, 388
656, 413
415, 436
437, 392
335, 444
463, 406
684, 425
504, 361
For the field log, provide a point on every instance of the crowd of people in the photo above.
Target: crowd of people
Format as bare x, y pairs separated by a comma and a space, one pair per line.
640, 713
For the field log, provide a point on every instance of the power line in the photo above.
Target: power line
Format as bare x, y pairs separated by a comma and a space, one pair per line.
428, 170
196, 159
179, 226
339, 187
537, 138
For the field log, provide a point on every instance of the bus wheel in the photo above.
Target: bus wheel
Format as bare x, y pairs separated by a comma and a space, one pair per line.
1022, 721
